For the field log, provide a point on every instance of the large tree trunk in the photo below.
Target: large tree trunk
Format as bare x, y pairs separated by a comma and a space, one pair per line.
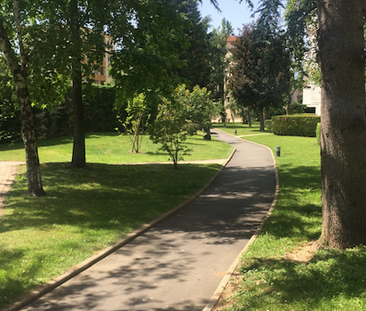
343, 124
28, 132
78, 152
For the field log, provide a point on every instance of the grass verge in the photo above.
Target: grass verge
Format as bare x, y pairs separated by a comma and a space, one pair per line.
114, 148
275, 273
86, 210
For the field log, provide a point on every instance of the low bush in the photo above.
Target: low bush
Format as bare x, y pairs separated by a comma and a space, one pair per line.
268, 125
295, 125
318, 133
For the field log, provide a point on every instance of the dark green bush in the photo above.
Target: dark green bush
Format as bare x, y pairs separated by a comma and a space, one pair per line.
99, 112
318, 133
295, 125
268, 125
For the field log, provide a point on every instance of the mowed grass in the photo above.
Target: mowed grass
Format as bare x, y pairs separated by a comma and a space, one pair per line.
113, 148
271, 279
86, 210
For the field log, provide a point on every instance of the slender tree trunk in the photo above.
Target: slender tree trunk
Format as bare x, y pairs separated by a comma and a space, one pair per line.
28, 132
343, 137
249, 118
29, 138
261, 119
78, 152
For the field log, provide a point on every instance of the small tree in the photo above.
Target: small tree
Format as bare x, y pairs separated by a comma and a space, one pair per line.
175, 115
167, 130
134, 123
200, 109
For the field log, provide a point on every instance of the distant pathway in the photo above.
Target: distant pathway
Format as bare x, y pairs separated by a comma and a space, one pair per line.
178, 264
7, 175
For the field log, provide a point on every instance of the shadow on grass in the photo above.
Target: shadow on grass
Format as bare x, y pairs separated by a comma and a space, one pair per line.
40, 143
331, 278
298, 210
103, 196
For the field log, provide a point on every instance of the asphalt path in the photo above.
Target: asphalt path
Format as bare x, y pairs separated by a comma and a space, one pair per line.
179, 263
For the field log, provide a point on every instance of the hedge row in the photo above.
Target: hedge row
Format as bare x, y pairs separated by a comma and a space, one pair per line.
100, 115
295, 125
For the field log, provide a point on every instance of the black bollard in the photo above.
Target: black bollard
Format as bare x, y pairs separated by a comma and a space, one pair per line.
278, 151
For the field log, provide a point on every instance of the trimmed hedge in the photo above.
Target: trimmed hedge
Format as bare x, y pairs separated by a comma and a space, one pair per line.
295, 125
318, 133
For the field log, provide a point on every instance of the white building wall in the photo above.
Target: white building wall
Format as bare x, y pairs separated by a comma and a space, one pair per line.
312, 98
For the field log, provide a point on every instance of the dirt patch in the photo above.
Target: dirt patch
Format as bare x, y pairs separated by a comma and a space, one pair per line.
230, 289
304, 253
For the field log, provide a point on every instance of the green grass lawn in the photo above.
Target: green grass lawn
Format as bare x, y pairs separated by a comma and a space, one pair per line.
333, 279
86, 210
114, 148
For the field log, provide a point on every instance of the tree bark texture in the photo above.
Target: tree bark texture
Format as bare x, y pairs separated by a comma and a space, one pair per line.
18, 72
249, 118
343, 124
78, 151
35, 187
261, 119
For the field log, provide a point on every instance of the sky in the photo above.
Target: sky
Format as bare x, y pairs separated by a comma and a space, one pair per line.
237, 14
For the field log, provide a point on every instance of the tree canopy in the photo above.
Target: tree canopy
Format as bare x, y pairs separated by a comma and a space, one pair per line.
260, 71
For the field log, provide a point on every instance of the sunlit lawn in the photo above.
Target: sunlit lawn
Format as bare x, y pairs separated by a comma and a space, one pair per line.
113, 148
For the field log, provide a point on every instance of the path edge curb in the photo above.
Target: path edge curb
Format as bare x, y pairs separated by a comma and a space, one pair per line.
84, 265
220, 289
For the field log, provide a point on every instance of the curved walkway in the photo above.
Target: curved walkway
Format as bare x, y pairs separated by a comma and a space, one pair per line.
178, 264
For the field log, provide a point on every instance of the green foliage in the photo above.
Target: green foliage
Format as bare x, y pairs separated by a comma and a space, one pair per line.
136, 121
177, 118
237, 110
297, 108
195, 58
146, 35
9, 113
318, 129
169, 130
199, 108
301, 19
260, 71
268, 125
219, 62
100, 114
54, 121
295, 125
